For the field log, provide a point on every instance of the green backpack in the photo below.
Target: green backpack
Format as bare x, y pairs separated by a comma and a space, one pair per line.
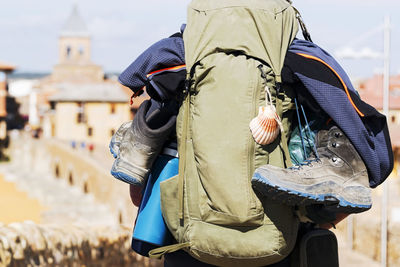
234, 48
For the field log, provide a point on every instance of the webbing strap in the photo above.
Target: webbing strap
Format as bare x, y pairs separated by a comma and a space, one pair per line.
303, 27
157, 253
278, 79
182, 151
279, 110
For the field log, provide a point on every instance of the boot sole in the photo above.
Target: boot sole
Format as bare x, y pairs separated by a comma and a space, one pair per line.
293, 197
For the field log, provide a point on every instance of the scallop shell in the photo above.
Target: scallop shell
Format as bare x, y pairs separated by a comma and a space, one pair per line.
266, 126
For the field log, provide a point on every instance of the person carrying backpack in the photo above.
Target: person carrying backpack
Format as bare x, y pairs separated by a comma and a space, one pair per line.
210, 207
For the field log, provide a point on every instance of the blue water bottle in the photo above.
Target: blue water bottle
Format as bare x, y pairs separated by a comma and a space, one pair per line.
150, 229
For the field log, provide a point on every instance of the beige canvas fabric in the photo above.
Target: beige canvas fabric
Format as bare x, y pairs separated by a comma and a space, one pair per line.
262, 29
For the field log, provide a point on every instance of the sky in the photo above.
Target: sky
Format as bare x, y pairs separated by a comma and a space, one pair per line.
122, 29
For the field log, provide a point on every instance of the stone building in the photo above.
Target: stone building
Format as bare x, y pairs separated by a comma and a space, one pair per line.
4, 98
76, 102
5, 69
88, 112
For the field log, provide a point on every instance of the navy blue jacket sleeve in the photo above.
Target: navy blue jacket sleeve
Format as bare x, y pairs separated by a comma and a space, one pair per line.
168, 52
330, 86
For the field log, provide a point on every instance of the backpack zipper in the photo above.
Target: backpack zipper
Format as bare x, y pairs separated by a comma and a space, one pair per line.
182, 158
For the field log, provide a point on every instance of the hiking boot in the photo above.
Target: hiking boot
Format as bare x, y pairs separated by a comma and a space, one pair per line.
141, 143
336, 176
116, 139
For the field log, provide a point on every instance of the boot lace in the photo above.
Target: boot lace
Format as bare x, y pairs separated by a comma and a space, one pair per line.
307, 132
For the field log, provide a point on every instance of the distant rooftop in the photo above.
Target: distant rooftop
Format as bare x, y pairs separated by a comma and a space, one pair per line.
28, 75
75, 26
371, 91
394, 130
102, 92
6, 67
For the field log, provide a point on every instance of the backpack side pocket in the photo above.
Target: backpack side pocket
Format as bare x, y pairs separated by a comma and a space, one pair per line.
169, 204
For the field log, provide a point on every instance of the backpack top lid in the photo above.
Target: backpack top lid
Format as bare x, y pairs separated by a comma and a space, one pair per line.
259, 29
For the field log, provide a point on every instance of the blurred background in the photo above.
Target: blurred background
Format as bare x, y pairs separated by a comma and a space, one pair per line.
60, 103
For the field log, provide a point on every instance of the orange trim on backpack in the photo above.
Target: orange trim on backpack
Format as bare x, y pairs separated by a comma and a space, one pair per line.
344, 85
172, 68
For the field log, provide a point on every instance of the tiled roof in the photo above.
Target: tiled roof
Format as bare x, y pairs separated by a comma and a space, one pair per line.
75, 26
6, 67
103, 92
371, 91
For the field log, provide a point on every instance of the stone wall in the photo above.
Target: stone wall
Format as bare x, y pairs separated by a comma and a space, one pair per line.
80, 169
27, 244
65, 243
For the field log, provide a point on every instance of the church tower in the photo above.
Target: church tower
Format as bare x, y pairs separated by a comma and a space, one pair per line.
75, 63
74, 42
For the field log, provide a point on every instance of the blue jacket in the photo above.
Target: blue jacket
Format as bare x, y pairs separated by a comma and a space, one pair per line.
330, 86
320, 74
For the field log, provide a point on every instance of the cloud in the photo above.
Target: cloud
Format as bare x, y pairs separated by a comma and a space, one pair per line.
361, 53
110, 28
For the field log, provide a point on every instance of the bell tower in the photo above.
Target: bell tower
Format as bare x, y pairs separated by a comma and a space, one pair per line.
74, 46
74, 42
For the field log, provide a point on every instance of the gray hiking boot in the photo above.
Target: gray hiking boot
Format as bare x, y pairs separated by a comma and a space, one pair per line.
337, 176
116, 139
136, 145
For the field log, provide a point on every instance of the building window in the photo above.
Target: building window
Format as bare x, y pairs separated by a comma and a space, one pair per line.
120, 217
80, 116
2, 76
52, 105
393, 119
68, 52
112, 108
81, 50
85, 188
70, 179
112, 132
57, 171
90, 131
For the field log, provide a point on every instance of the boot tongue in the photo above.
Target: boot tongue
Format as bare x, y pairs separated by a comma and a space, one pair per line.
323, 152
322, 138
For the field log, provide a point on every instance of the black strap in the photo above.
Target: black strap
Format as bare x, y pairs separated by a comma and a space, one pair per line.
303, 27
